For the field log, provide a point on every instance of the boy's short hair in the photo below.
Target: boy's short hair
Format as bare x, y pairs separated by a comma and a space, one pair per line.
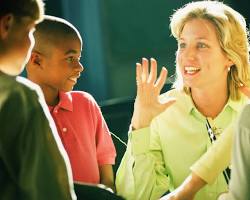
52, 26
51, 31
22, 8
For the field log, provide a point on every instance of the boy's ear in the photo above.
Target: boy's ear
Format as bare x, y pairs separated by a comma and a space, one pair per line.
6, 23
36, 59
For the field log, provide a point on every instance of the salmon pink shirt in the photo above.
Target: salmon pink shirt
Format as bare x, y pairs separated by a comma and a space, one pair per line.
84, 134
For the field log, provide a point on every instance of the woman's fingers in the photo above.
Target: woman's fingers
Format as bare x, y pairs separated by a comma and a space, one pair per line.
153, 71
144, 70
138, 77
147, 104
162, 79
147, 74
138, 73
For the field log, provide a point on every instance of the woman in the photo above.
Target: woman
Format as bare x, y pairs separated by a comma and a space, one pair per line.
169, 136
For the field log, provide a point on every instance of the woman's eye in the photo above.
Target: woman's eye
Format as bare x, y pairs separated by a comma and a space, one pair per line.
201, 45
182, 45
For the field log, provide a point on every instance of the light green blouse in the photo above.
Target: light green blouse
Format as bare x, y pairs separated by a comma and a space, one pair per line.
159, 158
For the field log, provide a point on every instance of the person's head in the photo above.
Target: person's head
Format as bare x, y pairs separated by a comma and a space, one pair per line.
55, 59
213, 46
17, 21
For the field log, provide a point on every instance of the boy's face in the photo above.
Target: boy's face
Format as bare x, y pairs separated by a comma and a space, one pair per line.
62, 68
17, 46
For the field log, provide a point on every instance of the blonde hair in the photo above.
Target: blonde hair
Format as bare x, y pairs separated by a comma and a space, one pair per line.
232, 35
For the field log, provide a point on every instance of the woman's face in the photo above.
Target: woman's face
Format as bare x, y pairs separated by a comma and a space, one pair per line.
200, 58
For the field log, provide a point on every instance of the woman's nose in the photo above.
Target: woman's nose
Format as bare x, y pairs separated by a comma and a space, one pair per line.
190, 53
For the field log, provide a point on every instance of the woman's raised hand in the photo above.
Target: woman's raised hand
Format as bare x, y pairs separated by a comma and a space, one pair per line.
147, 104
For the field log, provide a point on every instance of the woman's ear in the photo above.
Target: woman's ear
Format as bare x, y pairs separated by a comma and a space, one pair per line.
230, 63
6, 23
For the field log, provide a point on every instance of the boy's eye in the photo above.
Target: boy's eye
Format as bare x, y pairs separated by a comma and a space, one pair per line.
70, 59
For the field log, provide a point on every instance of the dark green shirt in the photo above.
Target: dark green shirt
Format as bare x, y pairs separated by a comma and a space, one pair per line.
32, 164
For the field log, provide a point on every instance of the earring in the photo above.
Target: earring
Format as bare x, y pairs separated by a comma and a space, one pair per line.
228, 69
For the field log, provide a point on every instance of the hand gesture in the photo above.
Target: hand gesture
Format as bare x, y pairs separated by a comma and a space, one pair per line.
147, 104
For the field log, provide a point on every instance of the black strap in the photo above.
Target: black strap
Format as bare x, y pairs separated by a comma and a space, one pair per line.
227, 171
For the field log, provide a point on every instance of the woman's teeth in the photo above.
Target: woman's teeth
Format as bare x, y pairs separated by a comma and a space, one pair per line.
191, 70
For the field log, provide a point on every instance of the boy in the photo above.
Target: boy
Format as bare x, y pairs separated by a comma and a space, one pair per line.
55, 66
32, 164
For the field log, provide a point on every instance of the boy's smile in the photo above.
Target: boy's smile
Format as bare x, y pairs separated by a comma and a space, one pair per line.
74, 78
62, 68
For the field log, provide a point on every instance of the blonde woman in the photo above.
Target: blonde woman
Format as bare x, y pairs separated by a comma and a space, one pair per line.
169, 132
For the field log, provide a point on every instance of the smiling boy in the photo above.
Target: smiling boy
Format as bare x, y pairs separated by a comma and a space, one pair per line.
55, 66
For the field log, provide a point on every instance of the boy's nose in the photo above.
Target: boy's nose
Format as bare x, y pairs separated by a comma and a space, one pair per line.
79, 67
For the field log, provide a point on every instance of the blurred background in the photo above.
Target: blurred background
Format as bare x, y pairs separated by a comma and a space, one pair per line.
117, 34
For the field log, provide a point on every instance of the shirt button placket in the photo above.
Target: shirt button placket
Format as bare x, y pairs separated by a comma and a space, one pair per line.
64, 130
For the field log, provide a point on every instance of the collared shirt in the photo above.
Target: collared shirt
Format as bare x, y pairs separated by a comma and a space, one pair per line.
33, 162
84, 135
218, 157
159, 158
